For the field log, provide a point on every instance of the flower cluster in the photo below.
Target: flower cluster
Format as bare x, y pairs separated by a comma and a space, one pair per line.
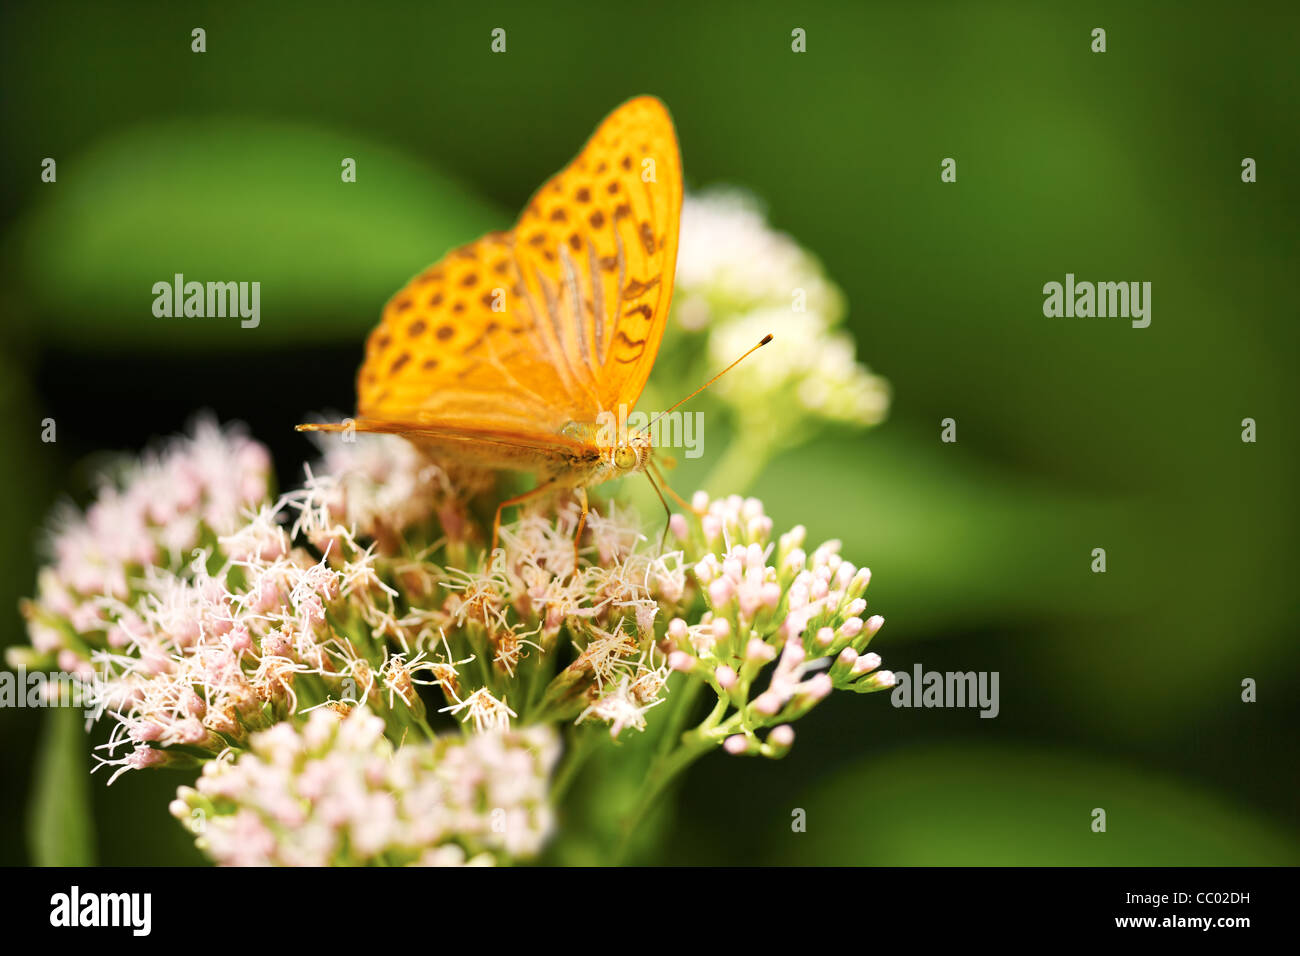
336, 791
195, 647
738, 280
772, 612
152, 516
362, 680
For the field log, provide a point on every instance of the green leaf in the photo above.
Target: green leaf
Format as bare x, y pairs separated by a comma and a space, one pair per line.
60, 828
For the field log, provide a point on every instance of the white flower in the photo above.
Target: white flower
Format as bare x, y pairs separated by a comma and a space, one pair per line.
730, 260
484, 711
738, 280
620, 707
337, 791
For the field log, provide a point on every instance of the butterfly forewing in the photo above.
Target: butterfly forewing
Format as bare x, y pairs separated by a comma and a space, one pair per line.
521, 332
461, 345
598, 249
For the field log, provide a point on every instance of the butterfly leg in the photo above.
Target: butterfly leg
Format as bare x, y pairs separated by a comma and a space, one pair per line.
516, 500
686, 505
668, 512
581, 494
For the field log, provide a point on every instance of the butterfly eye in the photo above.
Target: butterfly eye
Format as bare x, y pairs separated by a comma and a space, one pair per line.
624, 457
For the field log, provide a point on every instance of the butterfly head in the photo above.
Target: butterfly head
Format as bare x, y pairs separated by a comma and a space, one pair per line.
633, 454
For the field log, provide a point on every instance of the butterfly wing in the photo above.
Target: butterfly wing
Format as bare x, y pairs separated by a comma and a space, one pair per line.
462, 345
598, 245
507, 339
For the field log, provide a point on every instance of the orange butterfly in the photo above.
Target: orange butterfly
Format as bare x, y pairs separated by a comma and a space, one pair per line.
507, 353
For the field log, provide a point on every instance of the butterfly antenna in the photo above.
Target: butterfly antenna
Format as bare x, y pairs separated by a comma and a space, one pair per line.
767, 338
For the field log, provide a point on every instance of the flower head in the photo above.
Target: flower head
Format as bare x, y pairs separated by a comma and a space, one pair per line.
738, 280
334, 789
358, 685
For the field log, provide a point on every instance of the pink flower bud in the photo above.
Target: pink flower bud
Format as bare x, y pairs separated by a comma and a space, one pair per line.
706, 569
680, 661
793, 655
818, 686
865, 663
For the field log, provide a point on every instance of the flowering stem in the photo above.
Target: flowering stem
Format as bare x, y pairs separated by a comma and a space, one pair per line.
581, 745
539, 679
693, 745
679, 707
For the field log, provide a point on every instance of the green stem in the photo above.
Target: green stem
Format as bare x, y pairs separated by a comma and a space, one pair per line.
423, 724
695, 744
581, 746
680, 706
669, 764
540, 675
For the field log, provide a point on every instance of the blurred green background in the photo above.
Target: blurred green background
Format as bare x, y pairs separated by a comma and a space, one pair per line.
1119, 691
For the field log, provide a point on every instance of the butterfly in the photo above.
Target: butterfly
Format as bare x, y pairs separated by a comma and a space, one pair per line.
514, 352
